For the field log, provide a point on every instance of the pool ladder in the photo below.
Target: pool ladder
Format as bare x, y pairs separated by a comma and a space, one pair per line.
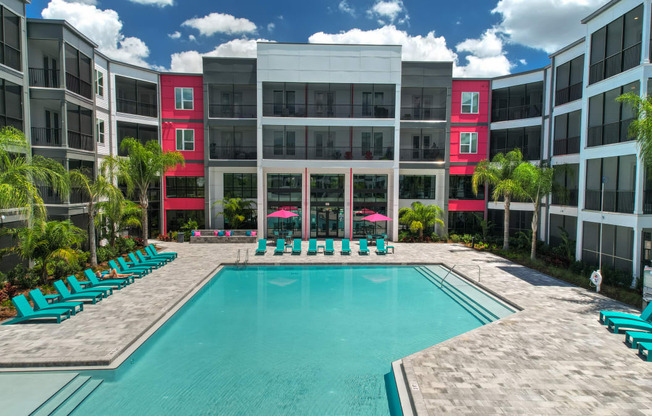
441, 284
245, 260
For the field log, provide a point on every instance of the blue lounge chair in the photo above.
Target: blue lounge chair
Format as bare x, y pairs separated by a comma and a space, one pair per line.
90, 276
125, 269
67, 296
312, 246
296, 247
152, 252
346, 249
143, 260
616, 324
134, 260
24, 312
147, 256
380, 246
363, 247
329, 249
94, 282
41, 304
262, 246
645, 346
280, 246
645, 316
78, 289
632, 338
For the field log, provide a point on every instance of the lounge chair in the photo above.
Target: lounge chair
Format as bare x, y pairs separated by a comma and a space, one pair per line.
296, 247
380, 246
616, 324
645, 346
262, 246
388, 247
148, 256
143, 260
152, 251
66, 295
329, 249
363, 247
346, 249
125, 269
312, 246
78, 289
280, 246
94, 282
632, 338
24, 312
645, 316
137, 263
41, 304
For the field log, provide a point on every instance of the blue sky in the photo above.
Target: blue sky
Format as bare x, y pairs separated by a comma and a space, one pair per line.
482, 37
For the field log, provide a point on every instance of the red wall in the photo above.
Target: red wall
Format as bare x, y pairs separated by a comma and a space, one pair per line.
462, 85
183, 119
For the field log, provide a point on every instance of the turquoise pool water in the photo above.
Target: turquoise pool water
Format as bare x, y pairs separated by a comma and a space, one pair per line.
275, 340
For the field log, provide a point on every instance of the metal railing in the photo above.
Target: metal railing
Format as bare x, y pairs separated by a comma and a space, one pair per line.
232, 152
614, 201
425, 155
328, 110
43, 136
48, 195
441, 284
136, 107
78, 86
569, 198
568, 94
11, 57
81, 141
232, 110
615, 64
40, 77
421, 113
326, 153
516, 112
566, 146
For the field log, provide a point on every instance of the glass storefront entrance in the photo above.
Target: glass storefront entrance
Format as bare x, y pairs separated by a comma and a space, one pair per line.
327, 206
284, 193
369, 196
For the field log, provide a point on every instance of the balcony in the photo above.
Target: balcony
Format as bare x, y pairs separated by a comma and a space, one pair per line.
81, 141
232, 110
42, 136
419, 113
78, 197
614, 201
136, 107
422, 155
567, 146
616, 132
516, 112
232, 152
328, 111
48, 195
568, 198
39, 77
568, 94
78, 86
325, 153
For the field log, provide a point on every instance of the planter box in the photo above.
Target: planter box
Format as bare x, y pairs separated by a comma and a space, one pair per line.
209, 237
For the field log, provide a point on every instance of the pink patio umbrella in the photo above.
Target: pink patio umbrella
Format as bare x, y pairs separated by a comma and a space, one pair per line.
377, 218
364, 211
281, 213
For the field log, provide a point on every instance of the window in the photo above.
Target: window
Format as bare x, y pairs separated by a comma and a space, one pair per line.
184, 187
617, 245
569, 81
567, 177
567, 133
464, 222
517, 102
183, 98
240, 185
284, 191
616, 47
136, 97
470, 102
100, 131
78, 72
460, 188
369, 194
177, 218
417, 187
141, 132
99, 83
468, 142
11, 104
10, 40
518, 221
185, 140
527, 139
620, 175
609, 120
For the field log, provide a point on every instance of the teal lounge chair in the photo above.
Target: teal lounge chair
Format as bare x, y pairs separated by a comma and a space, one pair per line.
137, 263
128, 280
41, 304
280, 246
329, 247
125, 269
616, 324
262, 246
380, 246
645, 316
78, 289
94, 282
147, 256
645, 346
67, 296
346, 249
152, 252
388, 247
363, 247
142, 259
24, 312
312, 246
632, 338
296, 247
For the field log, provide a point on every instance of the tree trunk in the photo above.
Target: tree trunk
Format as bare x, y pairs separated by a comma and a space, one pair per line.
144, 203
91, 235
535, 225
506, 224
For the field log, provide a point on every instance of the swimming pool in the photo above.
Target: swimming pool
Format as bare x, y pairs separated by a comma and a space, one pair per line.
288, 340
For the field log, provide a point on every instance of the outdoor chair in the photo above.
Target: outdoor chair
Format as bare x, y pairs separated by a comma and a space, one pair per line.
24, 312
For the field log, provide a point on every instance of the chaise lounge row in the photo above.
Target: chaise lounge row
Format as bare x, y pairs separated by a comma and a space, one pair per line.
328, 248
640, 337
68, 302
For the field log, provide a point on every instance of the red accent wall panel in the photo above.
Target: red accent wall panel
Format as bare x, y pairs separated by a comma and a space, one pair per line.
466, 205
456, 156
168, 83
461, 85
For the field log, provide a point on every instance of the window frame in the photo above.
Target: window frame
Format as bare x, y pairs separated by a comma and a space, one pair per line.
99, 83
184, 101
183, 140
100, 132
475, 102
473, 139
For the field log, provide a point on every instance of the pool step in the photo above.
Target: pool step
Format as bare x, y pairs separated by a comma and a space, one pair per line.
69, 397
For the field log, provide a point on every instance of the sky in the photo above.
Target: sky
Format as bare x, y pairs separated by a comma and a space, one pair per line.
483, 38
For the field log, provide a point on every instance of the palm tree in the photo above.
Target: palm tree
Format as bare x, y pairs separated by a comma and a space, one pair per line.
21, 174
536, 182
421, 216
116, 215
144, 165
95, 190
500, 173
641, 126
236, 210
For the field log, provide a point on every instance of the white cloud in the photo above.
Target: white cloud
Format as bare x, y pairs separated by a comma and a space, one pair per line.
159, 3
220, 23
91, 2
192, 38
103, 27
191, 61
271, 27
487, 46
522, 61
344, 7
486, 57
389, 11
175, 35
544, 24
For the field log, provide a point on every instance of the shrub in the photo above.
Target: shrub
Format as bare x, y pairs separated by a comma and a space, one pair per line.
618, 278
435, 237
7, 291
106, 253
455, 238
164, 237
22, 277
467, 238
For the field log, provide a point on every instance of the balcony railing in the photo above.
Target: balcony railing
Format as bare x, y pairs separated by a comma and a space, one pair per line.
568, 94
516, 112
616, 132
232, 110
615, 64
328, 111
78, 197
78, 86
42, 136
614, 201
48, 195
39, 77
568, 197
567, 146
12, 57
420, 113
647, 202
232, 152
81, 141
422, 155
136, 107
326, 153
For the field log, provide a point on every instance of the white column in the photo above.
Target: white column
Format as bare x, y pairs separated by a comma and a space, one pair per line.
645, 44
261, 187
636, 255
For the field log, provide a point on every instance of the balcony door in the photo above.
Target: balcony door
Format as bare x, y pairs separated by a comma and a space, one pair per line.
52, 135
50, 78
420, 146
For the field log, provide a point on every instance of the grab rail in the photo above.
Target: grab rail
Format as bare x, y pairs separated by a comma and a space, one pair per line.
441, 284
237, 259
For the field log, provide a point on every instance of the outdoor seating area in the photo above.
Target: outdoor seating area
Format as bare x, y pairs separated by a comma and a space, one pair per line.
641, 325
294, 247
222, 236
70, 301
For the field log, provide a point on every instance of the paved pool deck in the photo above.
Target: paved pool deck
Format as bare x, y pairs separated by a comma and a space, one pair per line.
551, 358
